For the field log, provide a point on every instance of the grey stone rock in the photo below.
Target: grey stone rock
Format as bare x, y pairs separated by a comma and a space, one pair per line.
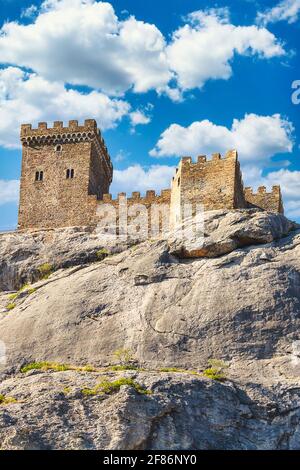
241, 306
182, 412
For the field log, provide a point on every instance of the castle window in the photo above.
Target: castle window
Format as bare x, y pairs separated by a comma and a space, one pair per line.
58, 148
39, 176
178, 182
70, 174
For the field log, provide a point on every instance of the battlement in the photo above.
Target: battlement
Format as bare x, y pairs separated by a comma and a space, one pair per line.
58, 134
270, 201
89, 125
150, 197
262, 190
216, 157
71, 134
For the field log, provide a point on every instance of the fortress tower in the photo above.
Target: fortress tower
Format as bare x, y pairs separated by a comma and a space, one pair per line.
64, 171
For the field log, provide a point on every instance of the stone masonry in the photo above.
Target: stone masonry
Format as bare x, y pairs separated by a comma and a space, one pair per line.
67, 172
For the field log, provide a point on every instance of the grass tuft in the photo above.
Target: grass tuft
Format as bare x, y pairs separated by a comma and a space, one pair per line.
177, 370
101, 254
55, 366
13, 296
4, 400
216, 371
107, 388
10, 306
45, 270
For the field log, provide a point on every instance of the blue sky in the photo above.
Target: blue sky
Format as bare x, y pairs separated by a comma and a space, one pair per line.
178, 77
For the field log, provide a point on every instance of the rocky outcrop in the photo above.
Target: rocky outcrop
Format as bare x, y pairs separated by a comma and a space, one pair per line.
242, 306
225, 231
181, 411
23, 252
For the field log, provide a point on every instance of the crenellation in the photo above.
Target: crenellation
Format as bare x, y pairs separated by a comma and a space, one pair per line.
150, 194
231, 154
262, 190
75, 172
270, 201
58, 124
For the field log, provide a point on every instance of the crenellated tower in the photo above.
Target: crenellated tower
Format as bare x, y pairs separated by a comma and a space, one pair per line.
65, 170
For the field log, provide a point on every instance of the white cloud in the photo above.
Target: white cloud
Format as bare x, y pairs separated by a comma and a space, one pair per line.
139, 118
204, 48
286, 10
83, 42
257, 138
156, 177
29, 12
9, 191
29, 98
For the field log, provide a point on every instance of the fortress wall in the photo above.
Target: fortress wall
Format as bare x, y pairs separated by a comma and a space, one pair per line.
152, 202
271, 201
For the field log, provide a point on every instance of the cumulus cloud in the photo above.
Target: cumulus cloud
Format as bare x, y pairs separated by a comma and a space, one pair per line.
204, 48
83, 42
26, 97
9, 191
138, 118
257, 138
155, 177
286, 10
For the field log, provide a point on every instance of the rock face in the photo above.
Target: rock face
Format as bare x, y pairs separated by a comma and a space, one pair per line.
182, 412
23, 252
242, 306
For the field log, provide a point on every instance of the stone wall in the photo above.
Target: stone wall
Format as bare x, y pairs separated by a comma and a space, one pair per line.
268, 201
156, 206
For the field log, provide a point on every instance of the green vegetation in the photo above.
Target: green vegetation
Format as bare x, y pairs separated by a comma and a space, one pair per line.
31, 290
13, 296
66, 390
24, 287
45, 270
217, 370
45, 366
4, 400
101, 254
125, 357
175, 369
105, 387
56, 367
28, 290
10, 306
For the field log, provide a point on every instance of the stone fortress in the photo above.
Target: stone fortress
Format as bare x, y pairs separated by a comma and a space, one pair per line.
67, 172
